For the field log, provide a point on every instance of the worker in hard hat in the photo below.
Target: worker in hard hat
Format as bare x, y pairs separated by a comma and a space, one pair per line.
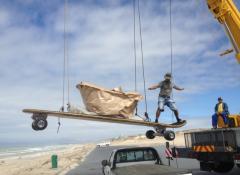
221, 109
166, 86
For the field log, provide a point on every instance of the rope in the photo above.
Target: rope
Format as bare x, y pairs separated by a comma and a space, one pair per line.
134, 45
59, 124
171, 56
143, 69
171, 40
171, 45
64, 61
65, 64
67, 55
135, 51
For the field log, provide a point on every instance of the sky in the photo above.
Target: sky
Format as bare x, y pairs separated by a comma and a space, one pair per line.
100, 51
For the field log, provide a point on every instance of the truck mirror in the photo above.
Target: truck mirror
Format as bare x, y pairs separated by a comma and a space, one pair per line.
104, 163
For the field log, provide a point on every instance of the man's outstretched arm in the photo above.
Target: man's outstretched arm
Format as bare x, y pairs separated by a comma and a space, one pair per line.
154, 87
178, 88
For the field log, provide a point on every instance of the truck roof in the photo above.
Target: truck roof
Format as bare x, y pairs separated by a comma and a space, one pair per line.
133, 148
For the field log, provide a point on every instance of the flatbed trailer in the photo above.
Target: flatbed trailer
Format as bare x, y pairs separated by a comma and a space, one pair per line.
216, 149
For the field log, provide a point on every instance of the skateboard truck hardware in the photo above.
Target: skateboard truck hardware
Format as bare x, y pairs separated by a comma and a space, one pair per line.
39, 121
168, 135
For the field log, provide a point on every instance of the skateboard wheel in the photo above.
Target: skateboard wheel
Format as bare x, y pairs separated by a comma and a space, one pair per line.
39, 124
169, 135
150, 134
34, 127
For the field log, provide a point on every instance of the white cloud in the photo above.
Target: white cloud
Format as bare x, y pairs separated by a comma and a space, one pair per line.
4, 17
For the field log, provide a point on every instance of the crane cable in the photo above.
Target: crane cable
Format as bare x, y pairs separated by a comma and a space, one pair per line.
170, 35
65, 65
66, 53
142, 57
135, 50
171, 56
143, 69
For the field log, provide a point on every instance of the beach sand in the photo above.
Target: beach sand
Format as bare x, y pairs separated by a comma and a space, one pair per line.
40, 163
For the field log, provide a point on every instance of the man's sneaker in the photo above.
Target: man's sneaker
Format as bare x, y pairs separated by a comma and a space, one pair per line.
179, 120
156, 120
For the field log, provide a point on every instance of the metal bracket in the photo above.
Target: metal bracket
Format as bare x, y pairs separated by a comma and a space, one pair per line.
37, 116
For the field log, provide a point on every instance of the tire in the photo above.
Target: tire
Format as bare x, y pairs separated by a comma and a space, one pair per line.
238, 165
169, 135
34, 127
103, 171
150, 134
206, 166
223, 167
40, 124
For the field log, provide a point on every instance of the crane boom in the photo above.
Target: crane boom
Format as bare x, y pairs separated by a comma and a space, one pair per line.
226, 12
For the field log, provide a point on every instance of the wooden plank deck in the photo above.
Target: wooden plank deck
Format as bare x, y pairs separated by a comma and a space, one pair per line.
100, 118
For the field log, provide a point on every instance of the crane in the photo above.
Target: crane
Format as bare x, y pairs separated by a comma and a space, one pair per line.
227, 14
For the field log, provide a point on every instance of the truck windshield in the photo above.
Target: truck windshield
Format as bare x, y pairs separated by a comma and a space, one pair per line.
136, 155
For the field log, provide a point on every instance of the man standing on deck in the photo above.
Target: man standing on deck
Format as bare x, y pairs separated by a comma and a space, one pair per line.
221, 109
166, 86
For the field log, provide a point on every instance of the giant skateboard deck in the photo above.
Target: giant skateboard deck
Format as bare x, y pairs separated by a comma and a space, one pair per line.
102, 118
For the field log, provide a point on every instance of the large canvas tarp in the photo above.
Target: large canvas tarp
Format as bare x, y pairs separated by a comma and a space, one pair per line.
108, 102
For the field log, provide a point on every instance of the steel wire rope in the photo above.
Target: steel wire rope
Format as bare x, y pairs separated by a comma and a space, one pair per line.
135, 51
142, 58
134, 45
171, 56
65, 64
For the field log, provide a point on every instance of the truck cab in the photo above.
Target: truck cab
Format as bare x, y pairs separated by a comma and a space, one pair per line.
137, 160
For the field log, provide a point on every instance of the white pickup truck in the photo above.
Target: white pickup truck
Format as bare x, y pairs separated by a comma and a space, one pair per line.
140, 161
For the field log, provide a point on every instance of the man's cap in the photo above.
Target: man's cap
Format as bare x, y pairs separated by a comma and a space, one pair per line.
220, 98
168, 75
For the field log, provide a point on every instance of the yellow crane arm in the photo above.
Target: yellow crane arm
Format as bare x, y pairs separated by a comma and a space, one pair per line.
226, 12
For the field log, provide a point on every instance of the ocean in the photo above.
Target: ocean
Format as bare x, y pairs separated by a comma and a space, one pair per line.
18, 152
